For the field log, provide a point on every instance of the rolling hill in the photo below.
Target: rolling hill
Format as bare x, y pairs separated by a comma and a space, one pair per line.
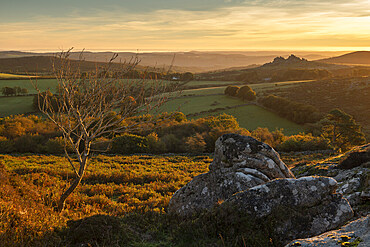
44, 65
356, 58
291, 68
193, 61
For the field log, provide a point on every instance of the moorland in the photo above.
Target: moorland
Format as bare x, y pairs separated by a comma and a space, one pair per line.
123, 197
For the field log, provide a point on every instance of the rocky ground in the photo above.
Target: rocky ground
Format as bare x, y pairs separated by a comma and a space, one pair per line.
249, 177
355, 233
351, 171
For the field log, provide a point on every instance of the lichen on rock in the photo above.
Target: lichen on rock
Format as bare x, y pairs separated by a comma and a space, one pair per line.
240, 163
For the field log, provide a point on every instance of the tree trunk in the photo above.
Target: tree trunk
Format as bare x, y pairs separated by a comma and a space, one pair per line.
73, 186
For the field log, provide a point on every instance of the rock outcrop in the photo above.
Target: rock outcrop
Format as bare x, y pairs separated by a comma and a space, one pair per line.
352, 174
247, 180
356, 233
296, 207
356, 158
239, 163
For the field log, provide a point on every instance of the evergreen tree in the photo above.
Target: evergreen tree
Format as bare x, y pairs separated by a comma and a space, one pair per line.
342, 130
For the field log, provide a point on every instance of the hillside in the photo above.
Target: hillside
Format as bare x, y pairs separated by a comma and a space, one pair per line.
279, 69
349, 94
193, 61
358, 58
44, 65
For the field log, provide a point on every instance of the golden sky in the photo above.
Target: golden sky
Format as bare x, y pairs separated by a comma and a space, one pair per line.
193, 25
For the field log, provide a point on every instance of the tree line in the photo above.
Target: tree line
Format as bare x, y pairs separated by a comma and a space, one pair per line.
173, 133
299, 113
14, 91
139, 74
244, 92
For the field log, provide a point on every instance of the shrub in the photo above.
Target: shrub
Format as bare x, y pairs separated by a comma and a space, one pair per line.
173, 144
29, 143
231, 90
297, 112
101, 144
6, 146
246, 93
272, 138
155, 145
195, 144
303, 143
55, 146
129, 144
13, 130
223, 121
176, 116
263, 135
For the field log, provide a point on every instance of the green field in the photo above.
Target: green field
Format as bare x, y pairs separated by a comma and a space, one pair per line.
15, 105
50, 84
20, 105
43, 84
189, 105
251, 117
205, 83
258, 87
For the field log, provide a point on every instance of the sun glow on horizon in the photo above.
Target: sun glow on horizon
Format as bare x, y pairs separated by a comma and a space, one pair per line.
250, 25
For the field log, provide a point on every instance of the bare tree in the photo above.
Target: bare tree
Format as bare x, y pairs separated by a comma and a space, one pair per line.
84, 106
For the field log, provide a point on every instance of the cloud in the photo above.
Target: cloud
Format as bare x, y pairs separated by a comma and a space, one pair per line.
241, 25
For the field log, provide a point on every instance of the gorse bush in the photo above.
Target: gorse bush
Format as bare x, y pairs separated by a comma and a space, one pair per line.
195, 144
117, 186
129, 144
165, 133
274, 138
303, 143
19, 125
6, 145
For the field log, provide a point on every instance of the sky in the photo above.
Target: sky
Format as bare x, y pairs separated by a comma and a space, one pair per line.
184, 25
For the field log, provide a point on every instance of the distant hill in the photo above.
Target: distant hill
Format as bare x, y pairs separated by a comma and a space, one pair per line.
181, 61
280, 69
193, 61
355, 58
44, 65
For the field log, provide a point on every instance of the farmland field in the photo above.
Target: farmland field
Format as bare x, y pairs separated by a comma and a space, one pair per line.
43, 84
251, 117
248, 117
15, 105
189, 105
258, 87
205, 83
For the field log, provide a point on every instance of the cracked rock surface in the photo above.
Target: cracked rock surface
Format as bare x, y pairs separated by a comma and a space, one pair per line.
240, 163
355, 232
352, 175
299, 207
